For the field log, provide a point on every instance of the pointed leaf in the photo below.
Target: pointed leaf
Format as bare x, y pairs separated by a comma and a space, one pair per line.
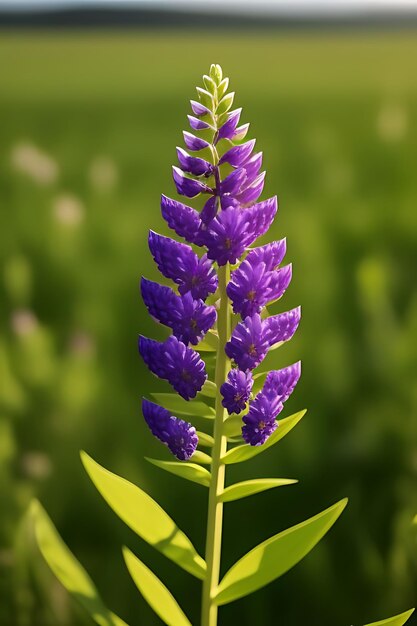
275, 556
209, 343
209, 389
177, 405
398, 620
189, 471
250, 487
225, 103
204, 439
245, 451
154, 591
233, 426
143, 515
201, 457
67, 569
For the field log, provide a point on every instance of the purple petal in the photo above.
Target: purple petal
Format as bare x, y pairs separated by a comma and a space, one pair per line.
252, 167
238, 154
184, 220
271, 254
180, 437
236, 390
189, 319
194, 143
232, 183
197, 124
248, 344
225, 236
188, 186
260, 422
240, 133
209, 210
281, 383
227, 130
259, 218
282, 327
171, 360
193, 165
252, 193
198, 108
180, 263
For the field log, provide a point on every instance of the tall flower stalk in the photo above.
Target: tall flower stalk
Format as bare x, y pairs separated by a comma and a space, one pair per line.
217, 306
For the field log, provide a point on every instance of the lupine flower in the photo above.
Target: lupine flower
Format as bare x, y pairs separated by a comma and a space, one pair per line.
172, 360
180, 437
227, 173
252, 338
260, 421
178, 262
189, 319
236, 390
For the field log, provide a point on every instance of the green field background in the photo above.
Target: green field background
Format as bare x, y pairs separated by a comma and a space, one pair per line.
88, 127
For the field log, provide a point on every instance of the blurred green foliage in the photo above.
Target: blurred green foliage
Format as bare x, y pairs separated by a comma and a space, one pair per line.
89, 124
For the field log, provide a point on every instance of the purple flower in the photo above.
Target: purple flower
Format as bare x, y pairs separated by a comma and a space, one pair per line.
180, 437
241, 132
248, 344
194, 143
260, 422
184, 220
189, 319
236, 390
271, 254
280, 328
171, 360
199, 109
188, 187
193, 165
281, 383
233, 230
197, 124
178, 262
252, 338
238, 154
252, 286
252, 192
229, 127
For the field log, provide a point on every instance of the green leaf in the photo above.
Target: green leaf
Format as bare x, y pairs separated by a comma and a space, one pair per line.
245, 451
250, 487
209, 343
398, 620
177, 405
201, 457
225, 103
275, 556
233, 426
204, 439
143, 515
222, 88
209, 389
189, 471
67, 569
154, 591
205, 97
209, 84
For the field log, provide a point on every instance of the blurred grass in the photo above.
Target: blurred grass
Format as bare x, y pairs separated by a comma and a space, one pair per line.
89, 127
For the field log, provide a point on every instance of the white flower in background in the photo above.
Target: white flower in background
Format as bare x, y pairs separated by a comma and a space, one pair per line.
392, 122
32, 161
36, 465
23, 322
103, 173
68, 210
82, 344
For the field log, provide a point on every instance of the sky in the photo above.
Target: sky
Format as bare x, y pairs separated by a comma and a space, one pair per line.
270, 6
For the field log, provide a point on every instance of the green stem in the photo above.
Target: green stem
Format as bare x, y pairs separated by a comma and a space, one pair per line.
215, 508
